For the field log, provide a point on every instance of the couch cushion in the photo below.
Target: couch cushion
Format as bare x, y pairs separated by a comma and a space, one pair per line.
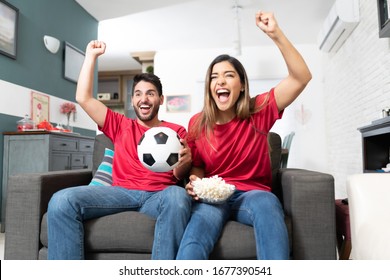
127, 231
103, 175
237, 242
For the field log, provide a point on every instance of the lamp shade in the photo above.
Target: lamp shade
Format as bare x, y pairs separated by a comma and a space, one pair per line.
52, 44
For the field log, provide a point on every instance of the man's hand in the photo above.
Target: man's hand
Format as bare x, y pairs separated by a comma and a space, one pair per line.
95, 48
185, 154
185, 161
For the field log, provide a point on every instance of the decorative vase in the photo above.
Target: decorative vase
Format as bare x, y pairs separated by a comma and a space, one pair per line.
68, 127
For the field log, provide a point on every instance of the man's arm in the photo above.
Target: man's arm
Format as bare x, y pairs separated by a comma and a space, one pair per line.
84, 93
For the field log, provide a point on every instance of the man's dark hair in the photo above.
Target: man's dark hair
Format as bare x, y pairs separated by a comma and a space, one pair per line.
150, 78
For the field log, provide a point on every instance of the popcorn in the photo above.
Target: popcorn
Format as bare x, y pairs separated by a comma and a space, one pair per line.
213, 189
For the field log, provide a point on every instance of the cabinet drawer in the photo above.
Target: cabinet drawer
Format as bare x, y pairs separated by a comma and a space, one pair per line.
77, 161
60, 161
86, 146
64, 145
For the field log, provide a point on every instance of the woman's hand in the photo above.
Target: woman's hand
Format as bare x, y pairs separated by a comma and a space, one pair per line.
190, 188
267, 23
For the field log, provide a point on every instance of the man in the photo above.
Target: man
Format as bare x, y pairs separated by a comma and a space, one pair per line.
134, 187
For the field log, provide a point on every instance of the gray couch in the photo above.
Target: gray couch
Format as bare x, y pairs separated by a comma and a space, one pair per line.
307, 197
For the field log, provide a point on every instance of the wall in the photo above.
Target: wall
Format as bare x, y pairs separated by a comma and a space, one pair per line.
36, 69
356, 89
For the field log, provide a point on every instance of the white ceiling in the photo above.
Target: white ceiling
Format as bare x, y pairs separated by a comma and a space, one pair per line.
151, 25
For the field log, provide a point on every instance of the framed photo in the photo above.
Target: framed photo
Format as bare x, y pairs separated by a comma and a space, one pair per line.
73, 60
39, 107
178, 103
8, 29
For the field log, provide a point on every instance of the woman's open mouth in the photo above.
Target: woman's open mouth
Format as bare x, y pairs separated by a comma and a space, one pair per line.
223, 95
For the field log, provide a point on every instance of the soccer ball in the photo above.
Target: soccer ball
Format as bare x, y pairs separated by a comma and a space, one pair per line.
158, 149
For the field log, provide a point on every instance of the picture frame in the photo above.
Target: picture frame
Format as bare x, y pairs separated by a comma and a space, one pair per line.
39, 107
384, 18
178, 103
8, 29
73, 61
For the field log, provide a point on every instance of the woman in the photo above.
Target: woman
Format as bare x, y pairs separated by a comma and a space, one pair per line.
229, 139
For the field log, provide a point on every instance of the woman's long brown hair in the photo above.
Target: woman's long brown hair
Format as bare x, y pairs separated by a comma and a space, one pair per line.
245, 105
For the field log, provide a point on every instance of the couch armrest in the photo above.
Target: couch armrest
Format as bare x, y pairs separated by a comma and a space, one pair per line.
27, 198
309, 200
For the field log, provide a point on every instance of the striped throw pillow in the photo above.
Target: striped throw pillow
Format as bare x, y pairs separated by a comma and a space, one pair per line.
103, 175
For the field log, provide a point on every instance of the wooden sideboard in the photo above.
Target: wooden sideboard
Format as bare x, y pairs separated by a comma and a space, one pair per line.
42, 151
376, 145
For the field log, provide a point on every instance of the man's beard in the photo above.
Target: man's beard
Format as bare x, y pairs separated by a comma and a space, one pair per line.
144, 118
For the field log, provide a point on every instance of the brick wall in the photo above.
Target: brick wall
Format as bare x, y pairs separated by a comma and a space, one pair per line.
356, 89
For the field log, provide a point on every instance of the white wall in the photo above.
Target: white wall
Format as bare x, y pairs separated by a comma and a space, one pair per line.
16, 101
183, 72
356, 89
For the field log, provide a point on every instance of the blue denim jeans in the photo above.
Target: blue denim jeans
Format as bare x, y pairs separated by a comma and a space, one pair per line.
259, 209
68, 209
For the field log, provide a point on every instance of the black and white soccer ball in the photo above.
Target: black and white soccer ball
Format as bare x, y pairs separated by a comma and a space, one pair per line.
158, 149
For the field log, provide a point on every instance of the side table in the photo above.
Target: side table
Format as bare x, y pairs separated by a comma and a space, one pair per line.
343, 230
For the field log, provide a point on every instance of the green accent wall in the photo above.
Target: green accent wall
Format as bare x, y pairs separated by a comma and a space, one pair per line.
34, 66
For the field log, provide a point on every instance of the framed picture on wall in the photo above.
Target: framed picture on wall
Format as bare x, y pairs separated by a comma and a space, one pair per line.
178, 103
8, 29
73, 60
39, 107
384, 18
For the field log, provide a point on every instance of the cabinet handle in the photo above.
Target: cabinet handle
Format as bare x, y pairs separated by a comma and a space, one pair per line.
87, 146
63, 144
77, 159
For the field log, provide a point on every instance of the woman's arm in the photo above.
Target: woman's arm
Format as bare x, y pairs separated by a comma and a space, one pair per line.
298, 73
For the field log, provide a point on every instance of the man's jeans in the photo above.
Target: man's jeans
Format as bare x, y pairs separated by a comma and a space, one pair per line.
68, 209
259, 209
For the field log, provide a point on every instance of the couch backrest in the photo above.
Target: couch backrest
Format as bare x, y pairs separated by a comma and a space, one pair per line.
101, 142
275, 150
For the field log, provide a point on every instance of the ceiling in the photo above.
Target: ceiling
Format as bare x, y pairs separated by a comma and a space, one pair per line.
151, 25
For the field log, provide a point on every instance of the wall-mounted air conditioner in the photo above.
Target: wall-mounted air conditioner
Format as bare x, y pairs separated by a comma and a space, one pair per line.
339, 24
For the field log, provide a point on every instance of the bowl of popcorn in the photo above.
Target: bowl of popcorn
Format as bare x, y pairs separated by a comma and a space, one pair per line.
212, 190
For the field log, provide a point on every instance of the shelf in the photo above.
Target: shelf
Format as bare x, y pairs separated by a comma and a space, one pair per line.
375, 145
113, 103
118, 86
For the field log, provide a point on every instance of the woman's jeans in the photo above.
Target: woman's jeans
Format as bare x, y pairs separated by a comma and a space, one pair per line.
69, 208
259, 209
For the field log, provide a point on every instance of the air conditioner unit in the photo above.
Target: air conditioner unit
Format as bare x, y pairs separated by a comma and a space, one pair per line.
339, 24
